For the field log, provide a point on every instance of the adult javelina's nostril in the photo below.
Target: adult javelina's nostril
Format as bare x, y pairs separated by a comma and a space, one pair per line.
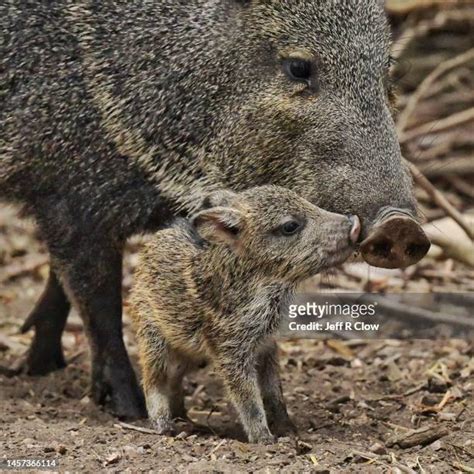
397, 241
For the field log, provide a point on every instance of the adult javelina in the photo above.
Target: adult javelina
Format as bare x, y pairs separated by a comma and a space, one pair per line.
116, 115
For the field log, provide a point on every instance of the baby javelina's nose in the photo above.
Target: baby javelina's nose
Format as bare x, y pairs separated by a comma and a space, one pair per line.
355, 229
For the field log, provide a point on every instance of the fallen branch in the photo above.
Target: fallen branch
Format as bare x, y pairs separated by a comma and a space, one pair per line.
334, 405
427, 83
215, 448
453, 80
446, 143
423, 28
447, 397
420, 437
396, 7
399, 396
461, 185
414, 314
462, 467
459, 165
19, 268
454, 120
439, 199
452, 249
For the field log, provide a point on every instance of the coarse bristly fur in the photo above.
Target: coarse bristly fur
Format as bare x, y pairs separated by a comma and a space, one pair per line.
116, 116
216, 290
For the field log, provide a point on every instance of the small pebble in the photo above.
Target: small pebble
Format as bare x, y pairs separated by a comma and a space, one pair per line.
447, 416
436, 446
378, 448
437, 386
182, 435
303, 447
61, 449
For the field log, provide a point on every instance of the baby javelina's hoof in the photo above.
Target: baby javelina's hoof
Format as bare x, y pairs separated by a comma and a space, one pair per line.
262, 438
213, 289
164, 426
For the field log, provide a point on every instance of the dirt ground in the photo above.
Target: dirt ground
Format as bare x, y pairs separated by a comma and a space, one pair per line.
360, 406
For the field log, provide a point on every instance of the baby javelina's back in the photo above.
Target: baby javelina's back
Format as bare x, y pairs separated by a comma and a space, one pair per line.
212, 289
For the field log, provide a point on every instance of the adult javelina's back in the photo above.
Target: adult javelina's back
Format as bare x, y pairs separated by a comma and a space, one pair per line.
115, 115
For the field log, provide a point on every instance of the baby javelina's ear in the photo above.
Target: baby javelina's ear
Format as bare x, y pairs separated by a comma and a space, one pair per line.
219, 225
220, 198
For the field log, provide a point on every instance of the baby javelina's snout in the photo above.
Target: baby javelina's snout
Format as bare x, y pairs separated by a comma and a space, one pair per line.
212, 289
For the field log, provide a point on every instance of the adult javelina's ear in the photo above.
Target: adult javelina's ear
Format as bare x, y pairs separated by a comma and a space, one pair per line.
220, 198
219, 225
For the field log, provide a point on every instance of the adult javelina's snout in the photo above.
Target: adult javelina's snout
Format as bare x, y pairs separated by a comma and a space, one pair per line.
395, 241
366, 175
320, 120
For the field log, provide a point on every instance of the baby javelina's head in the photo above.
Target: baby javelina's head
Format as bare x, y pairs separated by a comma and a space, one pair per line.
276, 233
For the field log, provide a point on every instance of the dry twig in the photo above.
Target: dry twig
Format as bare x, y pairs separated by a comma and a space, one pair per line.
447, 123
427, 84
458, 165
420, 437
140, 429
408, 6
423, 28
463, 467
439, 199
452, 249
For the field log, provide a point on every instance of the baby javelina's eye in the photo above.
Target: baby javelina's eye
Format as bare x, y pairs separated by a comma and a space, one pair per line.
291, 226
297, 69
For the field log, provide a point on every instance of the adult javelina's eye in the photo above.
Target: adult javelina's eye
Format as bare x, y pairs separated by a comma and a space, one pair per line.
297, 69
291, 227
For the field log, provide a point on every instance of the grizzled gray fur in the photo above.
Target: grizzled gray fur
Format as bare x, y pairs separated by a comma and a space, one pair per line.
253, 248
116, 116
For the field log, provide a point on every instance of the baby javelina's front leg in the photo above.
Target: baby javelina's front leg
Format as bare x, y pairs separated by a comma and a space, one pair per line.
238, 371
214, 287
253, 383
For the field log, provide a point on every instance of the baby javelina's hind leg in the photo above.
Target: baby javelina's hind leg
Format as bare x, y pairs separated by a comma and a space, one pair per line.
163, 371
272, 392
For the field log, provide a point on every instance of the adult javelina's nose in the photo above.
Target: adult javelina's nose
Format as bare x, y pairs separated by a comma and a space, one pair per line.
395, 241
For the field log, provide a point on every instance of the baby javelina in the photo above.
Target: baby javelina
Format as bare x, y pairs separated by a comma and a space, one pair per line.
212, 289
